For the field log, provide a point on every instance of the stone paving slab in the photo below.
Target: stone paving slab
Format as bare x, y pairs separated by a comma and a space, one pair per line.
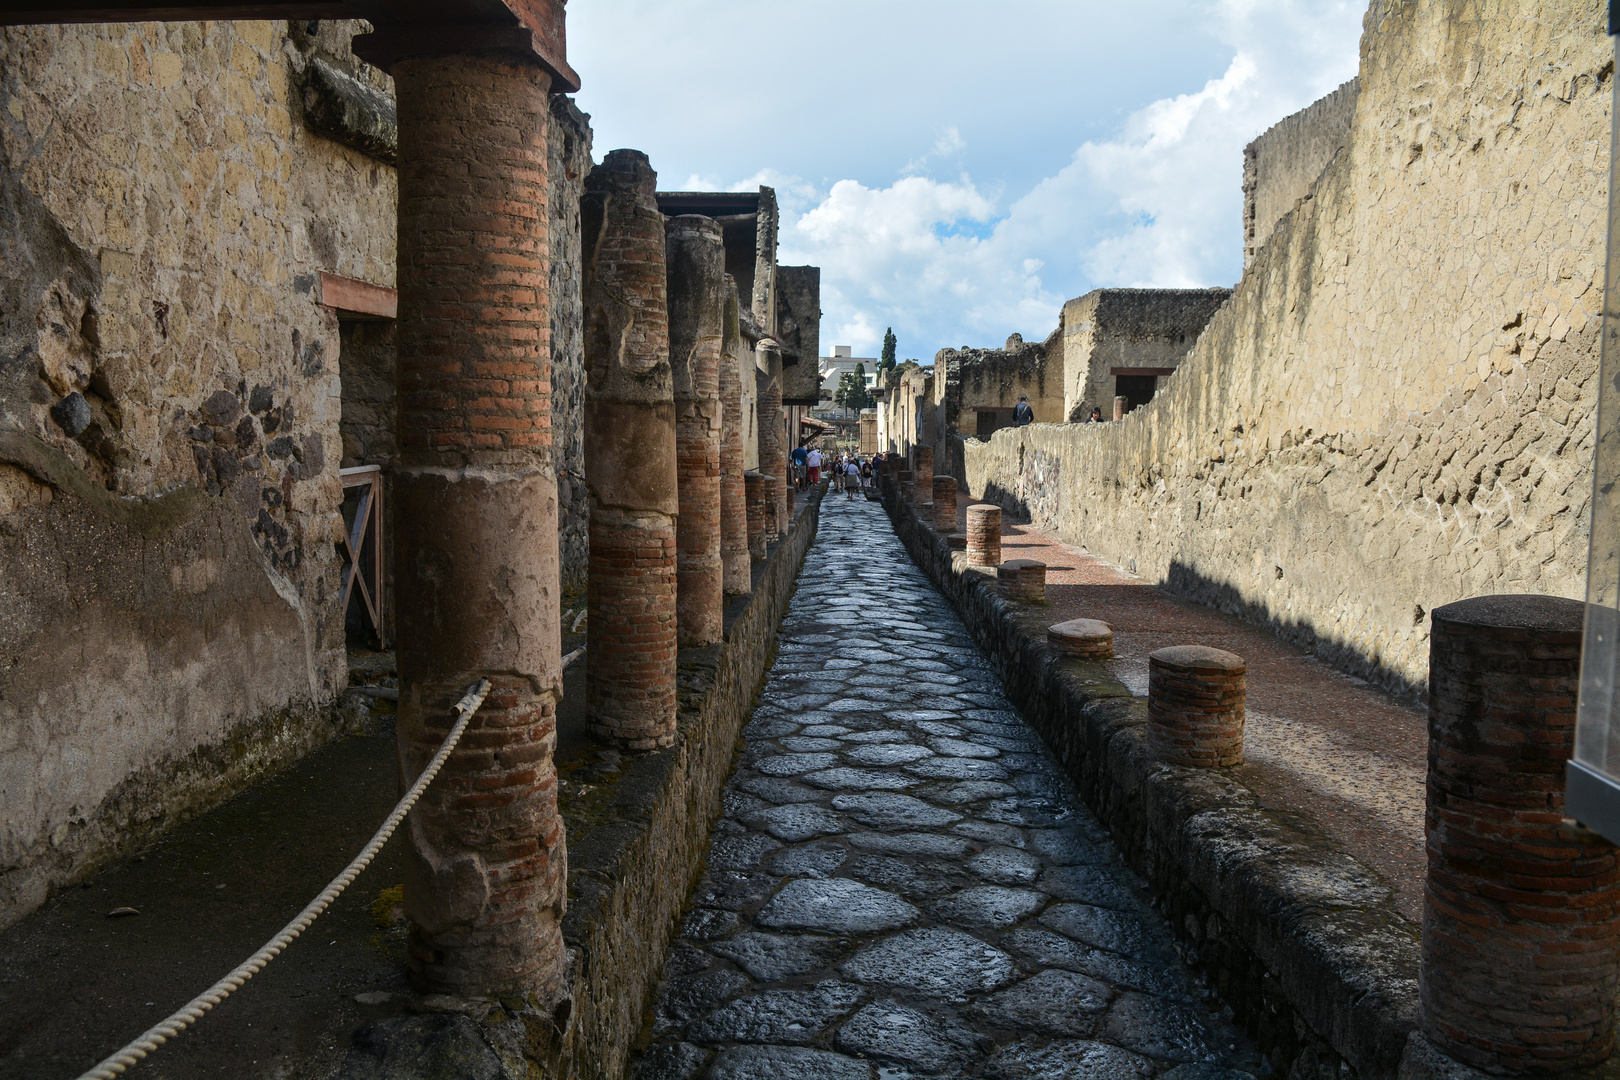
903, 882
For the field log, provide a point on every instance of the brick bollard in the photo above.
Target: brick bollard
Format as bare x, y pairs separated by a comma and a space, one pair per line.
696, 259
761, 511
1023, 580
1520, 958
922, 476
733, 488
1195, 706
1083, 639
945, 504
984, 534
630, 471
1119, 408
476, 526
908, 486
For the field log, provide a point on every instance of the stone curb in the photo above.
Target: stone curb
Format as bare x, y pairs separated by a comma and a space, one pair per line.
1299, 938
636, 845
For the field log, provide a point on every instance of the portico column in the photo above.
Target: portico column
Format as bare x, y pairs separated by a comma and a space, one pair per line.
630, 649
476, 525
733, 488
695, 257
773, 450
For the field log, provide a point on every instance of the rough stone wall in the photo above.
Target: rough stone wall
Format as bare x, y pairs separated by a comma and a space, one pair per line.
1109, 328
169, 426
570, 163
995, 379
1394, 410
798, 327
1280, 166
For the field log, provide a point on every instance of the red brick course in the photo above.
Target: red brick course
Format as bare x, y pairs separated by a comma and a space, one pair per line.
1521, 956
1023, 580
984, 534
922, 476
761, 512
1196, 706
486, 863
1084, 639
908, 485
945, 504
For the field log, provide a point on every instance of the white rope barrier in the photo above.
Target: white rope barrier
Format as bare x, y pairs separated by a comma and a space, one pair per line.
194, 1009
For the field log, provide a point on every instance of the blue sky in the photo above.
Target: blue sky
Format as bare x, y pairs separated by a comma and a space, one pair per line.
960, 169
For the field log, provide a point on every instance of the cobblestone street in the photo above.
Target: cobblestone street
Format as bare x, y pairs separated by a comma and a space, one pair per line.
903, 883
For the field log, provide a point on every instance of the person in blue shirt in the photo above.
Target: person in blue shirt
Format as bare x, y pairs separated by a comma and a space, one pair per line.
1023, 414
801, 458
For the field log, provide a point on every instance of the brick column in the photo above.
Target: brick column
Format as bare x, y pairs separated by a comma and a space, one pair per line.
1083, 639
1520, 957
1196, 706
908, 486
696, 257
984, 534
1023, 580
922, 476
945, 504
761, 508
630, 460
733, 489
476, 526
772, 450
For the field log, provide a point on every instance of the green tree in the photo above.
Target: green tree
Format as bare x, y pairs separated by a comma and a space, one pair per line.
888, 346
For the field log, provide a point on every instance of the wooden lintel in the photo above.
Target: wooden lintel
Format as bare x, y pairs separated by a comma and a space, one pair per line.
351, 296
25, 12
1141, 371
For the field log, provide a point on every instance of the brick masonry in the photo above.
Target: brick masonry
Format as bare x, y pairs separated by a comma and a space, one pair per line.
695, 255
486, 861
922, 475
1020, 579
1082, 639
945, 503
1521, 928
630, 472
1301, 940
773, 461
984, 535
761, 506
1196, 706
637, 842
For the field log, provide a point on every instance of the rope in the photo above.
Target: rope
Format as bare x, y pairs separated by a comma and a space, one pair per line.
194, 1009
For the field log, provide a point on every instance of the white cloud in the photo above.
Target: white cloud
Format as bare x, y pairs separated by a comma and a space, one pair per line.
1157, 204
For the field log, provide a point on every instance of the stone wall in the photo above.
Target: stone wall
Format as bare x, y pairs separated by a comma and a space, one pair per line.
989, 382
169, 416
798, 328
1134, 328
1394, 409
570, 139
1280, 167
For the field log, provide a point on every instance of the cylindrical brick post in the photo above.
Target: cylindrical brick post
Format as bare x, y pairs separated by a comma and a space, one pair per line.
984, 534
773, 451
476, 526
908, 486
1195, 706
1520, 960
696, 260
1119, 408
733, 489
922, 477
773, 508
1083, 639
1023, 580
761, 509
630, 464
945, 504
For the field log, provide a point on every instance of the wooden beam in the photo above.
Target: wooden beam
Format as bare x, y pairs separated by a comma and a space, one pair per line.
25, 12
1141, 371
355, 297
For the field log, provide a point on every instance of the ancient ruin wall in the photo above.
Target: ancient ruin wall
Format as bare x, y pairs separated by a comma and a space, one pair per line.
1109, 328
570, 162
1281, 165
1395, 408
169, 427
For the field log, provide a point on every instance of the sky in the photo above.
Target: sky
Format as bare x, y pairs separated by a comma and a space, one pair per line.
959, 169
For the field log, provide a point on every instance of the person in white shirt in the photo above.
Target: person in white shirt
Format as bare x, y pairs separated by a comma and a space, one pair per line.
814, 463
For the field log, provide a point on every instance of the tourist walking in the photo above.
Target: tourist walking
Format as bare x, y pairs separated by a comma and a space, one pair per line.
812, 461
1023, 415
800, 454
852, 480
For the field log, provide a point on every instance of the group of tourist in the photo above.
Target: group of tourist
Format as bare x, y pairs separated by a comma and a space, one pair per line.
847, 472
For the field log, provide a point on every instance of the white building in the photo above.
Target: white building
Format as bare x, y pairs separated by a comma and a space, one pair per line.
833, 368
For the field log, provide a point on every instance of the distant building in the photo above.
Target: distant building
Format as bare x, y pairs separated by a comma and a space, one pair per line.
833, 368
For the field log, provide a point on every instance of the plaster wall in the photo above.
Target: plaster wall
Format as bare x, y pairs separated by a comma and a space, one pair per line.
1281, 165
1394, 410
1109, 328
169, 425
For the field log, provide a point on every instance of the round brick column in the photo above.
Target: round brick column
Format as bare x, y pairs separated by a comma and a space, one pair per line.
922, 476
760, 507
476, 526
1520, 957
945, 504
984, 534
1023, 580
1195, 706
696, 259
630, 463
1083, 639
773, 452
733, 488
